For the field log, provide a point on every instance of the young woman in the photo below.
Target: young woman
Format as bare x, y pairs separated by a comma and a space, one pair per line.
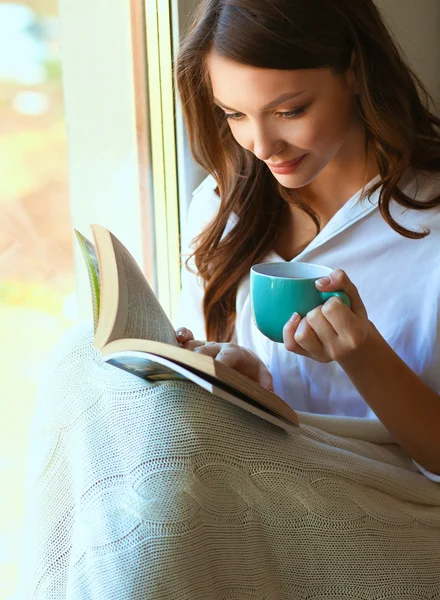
324, 147
132, 492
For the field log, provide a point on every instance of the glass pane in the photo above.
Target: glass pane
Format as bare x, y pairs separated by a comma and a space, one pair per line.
37, 298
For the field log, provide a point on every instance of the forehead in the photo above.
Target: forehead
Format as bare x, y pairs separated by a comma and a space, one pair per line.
234, 82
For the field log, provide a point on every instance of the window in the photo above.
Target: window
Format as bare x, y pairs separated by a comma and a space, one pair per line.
109, 170
37, 280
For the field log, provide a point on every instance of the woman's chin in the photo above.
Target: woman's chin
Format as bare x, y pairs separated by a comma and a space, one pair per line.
293, 180
300, 177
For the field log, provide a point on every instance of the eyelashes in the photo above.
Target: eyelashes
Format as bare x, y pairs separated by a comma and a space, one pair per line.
292, 114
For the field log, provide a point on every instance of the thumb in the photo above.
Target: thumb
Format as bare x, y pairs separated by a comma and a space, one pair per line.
339, 280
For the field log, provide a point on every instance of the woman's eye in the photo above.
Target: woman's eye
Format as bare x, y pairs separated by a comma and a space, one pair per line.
293, 113
233, 116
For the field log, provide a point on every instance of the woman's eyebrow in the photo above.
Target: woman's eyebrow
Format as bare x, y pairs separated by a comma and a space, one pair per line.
271, 104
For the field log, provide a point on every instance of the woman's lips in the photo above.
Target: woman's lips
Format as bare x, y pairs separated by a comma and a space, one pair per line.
287, 167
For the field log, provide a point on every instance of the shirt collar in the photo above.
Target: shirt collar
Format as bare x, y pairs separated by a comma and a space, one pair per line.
351, 212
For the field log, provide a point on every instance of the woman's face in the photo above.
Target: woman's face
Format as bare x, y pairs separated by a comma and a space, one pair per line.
282, 116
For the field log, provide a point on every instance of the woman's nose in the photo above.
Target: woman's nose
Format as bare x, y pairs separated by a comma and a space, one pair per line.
266, 145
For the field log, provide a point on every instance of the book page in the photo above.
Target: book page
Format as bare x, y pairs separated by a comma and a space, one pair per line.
91, 259
144, 318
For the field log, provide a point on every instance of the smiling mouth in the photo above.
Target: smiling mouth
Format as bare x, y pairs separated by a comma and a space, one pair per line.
286, 168
285, 164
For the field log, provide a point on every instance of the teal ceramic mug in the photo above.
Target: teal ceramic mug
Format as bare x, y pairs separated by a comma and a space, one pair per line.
279, 289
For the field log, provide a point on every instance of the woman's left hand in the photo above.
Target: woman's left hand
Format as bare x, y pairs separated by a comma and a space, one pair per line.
331, 331
237, 357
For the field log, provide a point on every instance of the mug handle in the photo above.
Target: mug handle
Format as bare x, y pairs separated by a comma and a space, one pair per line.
342, 295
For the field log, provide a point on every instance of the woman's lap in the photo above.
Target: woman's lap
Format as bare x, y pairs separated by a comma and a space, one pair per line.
170, 492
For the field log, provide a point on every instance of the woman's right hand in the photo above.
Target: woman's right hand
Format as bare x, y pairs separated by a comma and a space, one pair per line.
237, 357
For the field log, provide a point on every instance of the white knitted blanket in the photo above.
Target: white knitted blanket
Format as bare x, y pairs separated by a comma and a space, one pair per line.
165, 492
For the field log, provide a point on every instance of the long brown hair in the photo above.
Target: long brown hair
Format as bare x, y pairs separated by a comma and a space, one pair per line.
293, 34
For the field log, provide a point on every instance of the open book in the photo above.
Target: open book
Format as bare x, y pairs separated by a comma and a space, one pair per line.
133, 332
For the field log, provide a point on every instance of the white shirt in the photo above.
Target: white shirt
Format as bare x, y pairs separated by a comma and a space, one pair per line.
398, 280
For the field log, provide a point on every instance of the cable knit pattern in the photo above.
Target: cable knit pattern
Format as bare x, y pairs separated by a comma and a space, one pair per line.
163, 492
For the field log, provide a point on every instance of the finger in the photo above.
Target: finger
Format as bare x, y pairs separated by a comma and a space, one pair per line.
348, 326
265, 377
307, 339
184, 335
247, 363
289, 331
231, 357
208, 348
339, 280
193, 344
323, 329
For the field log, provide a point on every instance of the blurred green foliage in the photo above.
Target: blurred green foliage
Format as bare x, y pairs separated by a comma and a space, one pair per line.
53, 70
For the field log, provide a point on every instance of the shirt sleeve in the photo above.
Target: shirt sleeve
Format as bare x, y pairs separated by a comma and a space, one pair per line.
431, 476
203, 207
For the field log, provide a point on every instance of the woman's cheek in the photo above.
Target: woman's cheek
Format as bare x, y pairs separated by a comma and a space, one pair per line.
310, 135
324, 136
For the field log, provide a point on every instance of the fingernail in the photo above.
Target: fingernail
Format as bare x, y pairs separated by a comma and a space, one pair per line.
323, 281
180, 333
295, 317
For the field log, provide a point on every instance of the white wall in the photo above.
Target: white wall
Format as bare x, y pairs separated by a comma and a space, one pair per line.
416, 25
